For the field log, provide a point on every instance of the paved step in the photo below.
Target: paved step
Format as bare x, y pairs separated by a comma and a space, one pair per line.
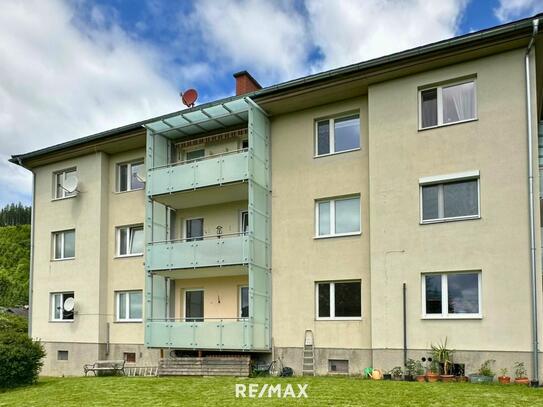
205, 366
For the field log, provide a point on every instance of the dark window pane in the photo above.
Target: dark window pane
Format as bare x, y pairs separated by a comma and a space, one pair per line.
324, 300
123, 177
346, 133
460, 199
323, 137
67, 314
430, 207
244, 302
194, 306
433, 294
463, 291
428, 108
123, 241
245, 144
195, 229
347, 300
195, 154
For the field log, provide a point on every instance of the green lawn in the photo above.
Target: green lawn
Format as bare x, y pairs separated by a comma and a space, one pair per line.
121, 391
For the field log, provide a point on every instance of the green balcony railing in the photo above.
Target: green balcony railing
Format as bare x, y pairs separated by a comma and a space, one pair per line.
210, 251
217, 334
187, 175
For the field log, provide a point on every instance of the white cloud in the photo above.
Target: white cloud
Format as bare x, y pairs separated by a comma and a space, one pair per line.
62, 80
352, 31
514, 9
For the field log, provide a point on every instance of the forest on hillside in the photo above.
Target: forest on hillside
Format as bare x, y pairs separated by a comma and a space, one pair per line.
14, 255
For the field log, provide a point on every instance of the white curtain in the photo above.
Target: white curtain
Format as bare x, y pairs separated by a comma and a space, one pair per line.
459, 102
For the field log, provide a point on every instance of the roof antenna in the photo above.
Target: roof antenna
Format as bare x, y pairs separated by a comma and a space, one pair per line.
189, 97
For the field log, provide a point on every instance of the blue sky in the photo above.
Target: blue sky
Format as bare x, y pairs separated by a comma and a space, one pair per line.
94, 65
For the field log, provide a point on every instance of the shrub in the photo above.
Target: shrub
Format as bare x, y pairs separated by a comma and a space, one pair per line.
20, 359
13, 323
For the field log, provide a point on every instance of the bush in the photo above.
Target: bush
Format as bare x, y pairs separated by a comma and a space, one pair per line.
13, 323
20, 357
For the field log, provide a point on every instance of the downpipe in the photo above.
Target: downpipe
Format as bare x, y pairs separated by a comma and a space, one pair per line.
533, 274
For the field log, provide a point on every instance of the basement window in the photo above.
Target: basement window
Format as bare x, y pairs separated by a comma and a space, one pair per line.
129, 357
62, 355
338, 366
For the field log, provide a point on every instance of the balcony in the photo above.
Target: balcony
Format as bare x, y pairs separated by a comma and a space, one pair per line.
210, 251
189, 175
217, 334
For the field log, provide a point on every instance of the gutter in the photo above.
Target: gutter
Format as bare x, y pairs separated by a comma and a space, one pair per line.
533, 271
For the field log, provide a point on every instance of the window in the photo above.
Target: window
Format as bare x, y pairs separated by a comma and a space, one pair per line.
338, 366
194, 305
128, 176
337, 135
457, 197
451, 295
129, 357
447, 104
337, 217
194, 229
244, 222
129, 305
339, 300
62, 355
194, 155
59, 312
60, 182
244, 144
244, 302
64, 245
130, 240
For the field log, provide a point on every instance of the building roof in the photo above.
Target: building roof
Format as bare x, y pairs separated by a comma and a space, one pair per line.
521, 27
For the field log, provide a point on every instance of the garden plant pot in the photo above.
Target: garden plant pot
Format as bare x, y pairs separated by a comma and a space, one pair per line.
397, 378
446, 378
504, 379
476, 378
421, 378
461, 379
387, 376
522, 380
432, 377
409, 378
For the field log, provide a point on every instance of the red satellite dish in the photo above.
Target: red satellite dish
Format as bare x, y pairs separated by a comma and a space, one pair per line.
189, 97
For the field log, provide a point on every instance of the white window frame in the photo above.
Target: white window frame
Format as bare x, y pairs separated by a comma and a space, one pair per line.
52, 300
444, 179
126, 306
241, 287
185, 291
129, 165
243, 211
64, 194
439, 89
61, 233
444, 297
332, 316
118, 240
333, 217
331, 139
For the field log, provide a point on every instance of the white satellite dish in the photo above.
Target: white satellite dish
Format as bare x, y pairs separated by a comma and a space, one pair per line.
69, 304
140, 174
70, 183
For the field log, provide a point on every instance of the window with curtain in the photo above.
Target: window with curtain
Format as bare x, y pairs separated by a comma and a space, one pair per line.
129, 305
337, 217
448, 104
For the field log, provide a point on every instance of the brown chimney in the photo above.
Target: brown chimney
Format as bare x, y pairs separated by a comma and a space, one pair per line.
245, 83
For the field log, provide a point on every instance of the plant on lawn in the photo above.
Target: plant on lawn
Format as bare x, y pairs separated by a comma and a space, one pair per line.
20, 359
419, 372
520, 373
485, 373
433, 372
410, 370
503, 378
396, 373
444, 355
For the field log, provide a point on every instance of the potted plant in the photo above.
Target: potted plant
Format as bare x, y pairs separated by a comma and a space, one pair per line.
520, 373
503, 378
396, 373
444, 355
387, 375
419, 372
485, 373
433, 373
410, 367
461, 374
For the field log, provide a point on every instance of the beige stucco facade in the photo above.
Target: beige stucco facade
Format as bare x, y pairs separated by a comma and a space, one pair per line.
393, 247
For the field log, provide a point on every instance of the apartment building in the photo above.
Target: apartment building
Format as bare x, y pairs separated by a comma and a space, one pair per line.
371, 210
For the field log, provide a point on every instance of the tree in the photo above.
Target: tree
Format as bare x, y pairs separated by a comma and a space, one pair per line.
14, 265
15, 214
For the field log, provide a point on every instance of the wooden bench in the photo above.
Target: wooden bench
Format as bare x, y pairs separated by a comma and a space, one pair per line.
108, 367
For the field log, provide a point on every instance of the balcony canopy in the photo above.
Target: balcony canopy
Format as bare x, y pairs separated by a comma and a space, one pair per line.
203, 119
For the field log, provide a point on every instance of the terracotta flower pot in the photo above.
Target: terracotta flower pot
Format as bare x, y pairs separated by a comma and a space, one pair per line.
446, 378
504, 379
522, 380
462, 379
432, 377
421, 378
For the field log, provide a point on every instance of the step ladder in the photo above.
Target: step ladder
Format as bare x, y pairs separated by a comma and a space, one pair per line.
308, 368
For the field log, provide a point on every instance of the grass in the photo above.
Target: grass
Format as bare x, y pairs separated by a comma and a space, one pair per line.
176, 391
